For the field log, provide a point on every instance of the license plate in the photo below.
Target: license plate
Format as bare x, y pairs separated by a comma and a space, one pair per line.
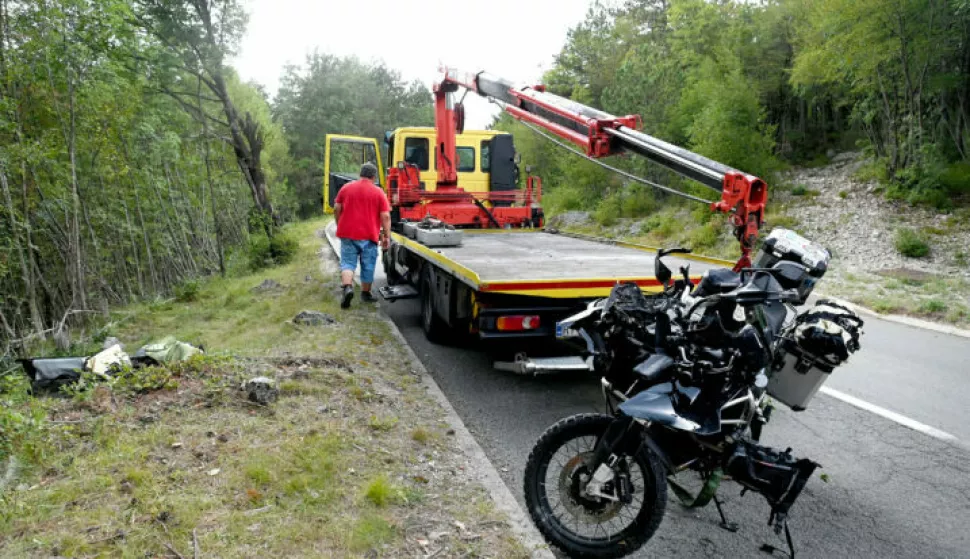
563, 331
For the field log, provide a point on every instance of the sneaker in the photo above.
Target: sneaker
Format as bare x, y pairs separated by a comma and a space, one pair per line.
367, 297
348, 295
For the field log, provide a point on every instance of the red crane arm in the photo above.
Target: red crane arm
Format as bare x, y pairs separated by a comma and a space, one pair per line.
600, 134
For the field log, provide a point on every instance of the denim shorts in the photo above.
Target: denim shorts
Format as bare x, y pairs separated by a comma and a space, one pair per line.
364, 251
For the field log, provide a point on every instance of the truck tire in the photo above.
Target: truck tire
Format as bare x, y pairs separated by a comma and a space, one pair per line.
434, 328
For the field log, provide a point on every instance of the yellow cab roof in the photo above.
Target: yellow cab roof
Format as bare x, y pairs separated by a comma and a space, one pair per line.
430, 131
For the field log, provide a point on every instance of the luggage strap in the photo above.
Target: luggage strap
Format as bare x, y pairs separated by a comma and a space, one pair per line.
703, 497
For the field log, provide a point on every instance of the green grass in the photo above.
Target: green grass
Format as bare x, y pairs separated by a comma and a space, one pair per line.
909, 292
933, 306
177, 450
911, 244
802, 190
381, 492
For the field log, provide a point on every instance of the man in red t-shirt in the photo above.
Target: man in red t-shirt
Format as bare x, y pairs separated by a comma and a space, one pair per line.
363, 220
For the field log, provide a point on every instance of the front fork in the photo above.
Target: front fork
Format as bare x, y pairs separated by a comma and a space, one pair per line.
621, 437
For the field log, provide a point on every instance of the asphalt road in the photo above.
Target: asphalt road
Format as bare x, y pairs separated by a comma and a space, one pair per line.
891, 491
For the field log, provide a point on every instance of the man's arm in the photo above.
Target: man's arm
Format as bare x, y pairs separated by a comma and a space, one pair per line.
385, 230
337, 210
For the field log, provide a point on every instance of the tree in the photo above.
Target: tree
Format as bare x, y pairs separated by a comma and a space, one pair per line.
333, 95
202, 33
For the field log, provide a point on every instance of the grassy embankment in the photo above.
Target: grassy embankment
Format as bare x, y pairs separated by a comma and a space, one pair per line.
354, 459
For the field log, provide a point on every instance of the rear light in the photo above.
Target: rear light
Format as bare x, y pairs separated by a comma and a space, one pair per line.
517, 322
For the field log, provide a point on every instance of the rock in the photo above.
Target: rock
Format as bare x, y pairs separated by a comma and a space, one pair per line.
112, 341
268, 285
313, 318
568, 219
323, 409
261, 390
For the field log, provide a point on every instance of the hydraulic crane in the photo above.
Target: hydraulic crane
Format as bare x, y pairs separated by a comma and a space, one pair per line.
597, 133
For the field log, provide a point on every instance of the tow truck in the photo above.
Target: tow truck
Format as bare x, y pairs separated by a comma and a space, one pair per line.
505, 275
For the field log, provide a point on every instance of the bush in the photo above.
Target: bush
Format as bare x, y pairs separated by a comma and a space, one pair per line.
563, 199
609, 210
662, 225
638, 202
910, 244
187, 291
267, 252
703, 237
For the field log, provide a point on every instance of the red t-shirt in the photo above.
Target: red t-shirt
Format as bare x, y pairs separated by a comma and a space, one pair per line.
362, 201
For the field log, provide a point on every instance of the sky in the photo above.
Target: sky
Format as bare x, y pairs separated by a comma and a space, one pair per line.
514, 39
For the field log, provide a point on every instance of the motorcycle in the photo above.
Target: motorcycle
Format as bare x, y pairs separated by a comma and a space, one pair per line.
685, 376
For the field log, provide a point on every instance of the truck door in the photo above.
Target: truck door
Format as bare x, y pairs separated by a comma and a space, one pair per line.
419, 150
342, 158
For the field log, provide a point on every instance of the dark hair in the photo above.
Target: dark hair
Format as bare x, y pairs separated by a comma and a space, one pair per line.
368, 171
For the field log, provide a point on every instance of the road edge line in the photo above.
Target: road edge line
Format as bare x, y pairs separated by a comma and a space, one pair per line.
483, 469
890, 415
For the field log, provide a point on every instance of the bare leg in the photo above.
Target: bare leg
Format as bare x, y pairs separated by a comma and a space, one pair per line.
365, 287
346, 277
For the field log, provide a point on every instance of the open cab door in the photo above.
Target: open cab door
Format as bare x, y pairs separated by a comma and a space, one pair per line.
342, 158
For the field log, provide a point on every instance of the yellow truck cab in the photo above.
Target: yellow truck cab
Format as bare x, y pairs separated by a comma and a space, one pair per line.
415, 145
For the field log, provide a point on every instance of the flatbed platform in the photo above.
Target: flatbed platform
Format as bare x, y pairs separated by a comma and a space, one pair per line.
552, 265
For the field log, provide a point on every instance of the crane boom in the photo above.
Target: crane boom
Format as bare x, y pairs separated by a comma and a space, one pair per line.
601, 134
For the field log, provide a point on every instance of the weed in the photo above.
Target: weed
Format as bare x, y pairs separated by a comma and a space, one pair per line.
910, 244
187, 291
258, 474
370, 531
382, 492
421, 435
382, 423
267, 252
843, 194
802, 190
932, 306
957, 314
884, 306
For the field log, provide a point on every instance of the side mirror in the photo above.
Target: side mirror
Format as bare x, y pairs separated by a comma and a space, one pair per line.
517, 158
661, 271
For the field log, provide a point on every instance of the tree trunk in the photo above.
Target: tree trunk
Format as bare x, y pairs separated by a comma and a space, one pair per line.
208, 180
25, 275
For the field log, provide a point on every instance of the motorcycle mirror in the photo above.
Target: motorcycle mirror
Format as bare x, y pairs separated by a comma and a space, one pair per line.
685, 272
660, 270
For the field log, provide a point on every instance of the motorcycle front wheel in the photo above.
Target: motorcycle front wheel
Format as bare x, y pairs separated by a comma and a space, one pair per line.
584, 526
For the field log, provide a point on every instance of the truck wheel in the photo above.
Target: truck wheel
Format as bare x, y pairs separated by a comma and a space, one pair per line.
434, 328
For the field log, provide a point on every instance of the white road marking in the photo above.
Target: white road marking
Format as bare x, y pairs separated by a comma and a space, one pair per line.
890, 415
